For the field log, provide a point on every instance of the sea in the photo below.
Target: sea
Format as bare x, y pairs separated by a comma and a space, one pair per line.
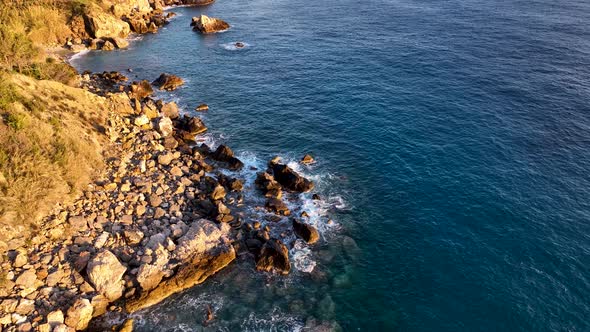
452, 148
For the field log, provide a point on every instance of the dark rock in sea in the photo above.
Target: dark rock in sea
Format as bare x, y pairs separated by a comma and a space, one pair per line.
307, 159
315, 197
274, 256
225, 155
205, 24
276, 205
289, 179
202, 108
254, 245
168, 82
305, 231
268, 185
229, 183
239, 44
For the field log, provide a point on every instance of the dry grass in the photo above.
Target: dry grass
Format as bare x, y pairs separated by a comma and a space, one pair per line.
50, 147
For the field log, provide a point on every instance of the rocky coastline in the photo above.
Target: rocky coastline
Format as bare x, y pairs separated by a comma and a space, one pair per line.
163, 217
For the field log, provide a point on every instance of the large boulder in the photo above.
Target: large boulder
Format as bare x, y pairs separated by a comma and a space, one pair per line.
99, 24
122, 8
202, 251
274, 256
289, 179
168, 82
105, 272
150, 275
165, 127
205, 24
306, 232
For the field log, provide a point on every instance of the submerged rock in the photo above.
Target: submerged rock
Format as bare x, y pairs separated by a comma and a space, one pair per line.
307, 159
274, 256
168, 82
202, 108
205, 24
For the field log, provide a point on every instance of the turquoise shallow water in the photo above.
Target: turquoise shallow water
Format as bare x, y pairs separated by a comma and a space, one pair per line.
453, 147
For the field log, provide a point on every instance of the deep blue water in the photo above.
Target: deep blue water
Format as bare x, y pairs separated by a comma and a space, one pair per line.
456, 132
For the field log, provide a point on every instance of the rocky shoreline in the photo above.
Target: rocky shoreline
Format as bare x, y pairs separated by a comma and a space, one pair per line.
162, 218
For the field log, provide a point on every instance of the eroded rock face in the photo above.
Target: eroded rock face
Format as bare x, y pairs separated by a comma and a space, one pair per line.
99, 24
306, 232
141, 89
105, 272
201, 252
206, 24
168, 82
274, 256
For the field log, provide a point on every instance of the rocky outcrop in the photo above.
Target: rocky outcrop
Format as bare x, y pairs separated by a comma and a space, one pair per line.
274, 257
105, 272
201, 252
168, 82
205, 24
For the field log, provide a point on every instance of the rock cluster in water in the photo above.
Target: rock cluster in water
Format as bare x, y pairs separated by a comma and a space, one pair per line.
206, 24
161, 219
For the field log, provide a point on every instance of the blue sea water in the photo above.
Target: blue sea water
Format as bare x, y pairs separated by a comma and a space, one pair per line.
453, 147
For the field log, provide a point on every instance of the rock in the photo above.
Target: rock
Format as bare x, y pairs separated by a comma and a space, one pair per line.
105, 272
27, 279
100, 304
77, 48
108, 46
127, 325
63, 328
289, 179
306, 232
150, 275
239, 44
20, 260
196, 126
25, 307
274, 256
218, 193
202, 251
165, 159
307, 159
116, 42
224, 154
78, 223
99, 24
168, 82
55, 318
79, 314
133, 237
165, 127
155, 200
141, 120
141, 89
205, 24
170, 110
277, 206
268, 185
202, 108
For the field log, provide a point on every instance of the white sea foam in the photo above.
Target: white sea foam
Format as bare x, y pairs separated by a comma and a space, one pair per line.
75, 57
302, 257
232, 46
275, 321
